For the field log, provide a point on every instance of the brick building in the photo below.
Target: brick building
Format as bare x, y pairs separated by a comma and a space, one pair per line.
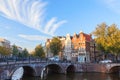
76, 47
81, 44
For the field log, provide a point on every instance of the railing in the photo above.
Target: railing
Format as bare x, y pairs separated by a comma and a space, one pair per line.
18, 60
26, 60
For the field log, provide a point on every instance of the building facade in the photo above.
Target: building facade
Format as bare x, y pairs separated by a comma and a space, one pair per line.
68, 48
4, 43
81, 44
76, 47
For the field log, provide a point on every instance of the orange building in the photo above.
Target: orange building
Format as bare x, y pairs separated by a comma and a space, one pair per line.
81, 40
77, 47
81, 44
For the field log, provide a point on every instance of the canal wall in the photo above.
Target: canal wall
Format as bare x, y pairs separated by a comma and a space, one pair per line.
91, 67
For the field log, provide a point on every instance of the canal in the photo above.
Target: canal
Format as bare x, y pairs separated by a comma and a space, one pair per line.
78, 76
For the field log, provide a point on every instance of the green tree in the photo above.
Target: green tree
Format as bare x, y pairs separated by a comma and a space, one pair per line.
55, 46
39, 51
20, 54
5, 51
25, 53
15, 50
108, 38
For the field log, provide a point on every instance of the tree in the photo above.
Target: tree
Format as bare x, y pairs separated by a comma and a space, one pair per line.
107, 38
15, 50
39, 51
55, 46
25, 53
32, 53
5, 51
113, 40
100, 36
20, 54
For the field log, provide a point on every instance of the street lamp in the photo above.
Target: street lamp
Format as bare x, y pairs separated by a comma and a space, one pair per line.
94, 52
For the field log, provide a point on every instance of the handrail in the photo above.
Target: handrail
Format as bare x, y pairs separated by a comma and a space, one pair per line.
28, 60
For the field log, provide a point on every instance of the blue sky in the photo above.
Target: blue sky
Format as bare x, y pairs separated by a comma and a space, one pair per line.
28, 23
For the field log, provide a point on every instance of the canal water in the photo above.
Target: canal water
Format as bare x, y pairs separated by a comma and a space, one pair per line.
78, 76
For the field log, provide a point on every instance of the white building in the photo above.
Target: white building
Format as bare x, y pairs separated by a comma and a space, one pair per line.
68, 47
47, 50
83, 56
4, 42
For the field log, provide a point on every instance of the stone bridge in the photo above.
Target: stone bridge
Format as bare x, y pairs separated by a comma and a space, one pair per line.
34, 68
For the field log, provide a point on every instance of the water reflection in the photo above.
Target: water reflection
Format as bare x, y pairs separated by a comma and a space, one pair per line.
79, 76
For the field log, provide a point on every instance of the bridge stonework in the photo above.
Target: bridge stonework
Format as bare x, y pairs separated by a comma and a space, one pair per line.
36, 68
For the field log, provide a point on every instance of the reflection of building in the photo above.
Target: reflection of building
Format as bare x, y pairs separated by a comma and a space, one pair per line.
76, 47
5, 43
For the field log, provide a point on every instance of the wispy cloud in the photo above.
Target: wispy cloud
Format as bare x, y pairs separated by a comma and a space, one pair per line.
33, 37
30, 13
56, 25
51, 26
113, 5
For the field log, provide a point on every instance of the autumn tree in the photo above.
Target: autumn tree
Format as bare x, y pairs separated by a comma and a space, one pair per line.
108, 38
39, 51
5, 51
55, 46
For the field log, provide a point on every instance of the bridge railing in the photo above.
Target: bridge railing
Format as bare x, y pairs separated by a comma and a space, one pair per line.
24, 60
9, 60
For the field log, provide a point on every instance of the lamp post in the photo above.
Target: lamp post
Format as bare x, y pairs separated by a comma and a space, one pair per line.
94, 52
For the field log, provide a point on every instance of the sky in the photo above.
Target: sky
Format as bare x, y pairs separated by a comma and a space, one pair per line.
27, 23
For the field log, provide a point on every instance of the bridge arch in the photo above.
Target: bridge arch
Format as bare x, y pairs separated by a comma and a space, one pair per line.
53, 68
114, 69
70, 69
29, 71
22, 71
50, 69
17, 73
